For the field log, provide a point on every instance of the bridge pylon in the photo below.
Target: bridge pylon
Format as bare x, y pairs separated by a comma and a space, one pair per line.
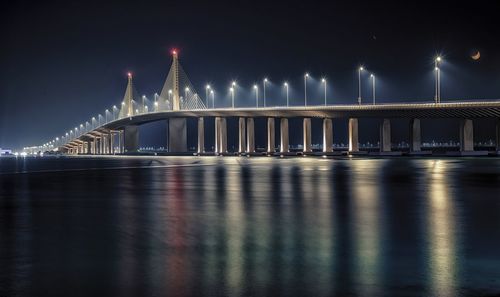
176, 104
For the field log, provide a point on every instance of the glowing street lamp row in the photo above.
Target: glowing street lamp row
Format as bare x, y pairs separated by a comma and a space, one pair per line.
94, 123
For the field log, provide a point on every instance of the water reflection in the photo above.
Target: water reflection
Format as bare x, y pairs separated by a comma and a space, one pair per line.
443, 228
367, 226
248, 227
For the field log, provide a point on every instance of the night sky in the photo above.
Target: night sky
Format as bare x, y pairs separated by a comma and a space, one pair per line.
63, 62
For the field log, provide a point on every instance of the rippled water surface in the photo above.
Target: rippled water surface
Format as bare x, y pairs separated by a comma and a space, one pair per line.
186, 226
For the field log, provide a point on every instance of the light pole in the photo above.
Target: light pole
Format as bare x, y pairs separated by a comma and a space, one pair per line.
265, 82
323, 80
359, 84
305, 88
106, 115
156, 102
286, 90
213, 98
437, 97
233, 86
143, 103
114, 112
256, 88
231, 89
373, 87
207, 89
169, 97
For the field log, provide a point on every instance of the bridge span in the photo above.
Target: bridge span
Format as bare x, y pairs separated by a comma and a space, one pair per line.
119, 132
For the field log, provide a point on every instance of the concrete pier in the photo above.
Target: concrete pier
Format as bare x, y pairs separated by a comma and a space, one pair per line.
271, 137
353, 135
250, 135
327, 136
220, 135
201, 135
385, 136
284, 138
111, 143
177, 135
307, 135
242, 144
415, 135
131, 139
466, 135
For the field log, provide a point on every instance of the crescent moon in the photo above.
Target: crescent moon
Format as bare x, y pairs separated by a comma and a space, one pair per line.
476, 56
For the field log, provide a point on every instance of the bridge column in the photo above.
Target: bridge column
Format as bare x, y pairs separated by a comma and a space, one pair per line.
466, 135
220, 135
250, 135
271, 137
88, 147
80, 148
105, 144
327, 136
121, 147
131, 139
353, 135
498, 135
285, 142
201, 135
223, 135
307, 135
415, 135
385, 136
111, 143
177, 135
241, 135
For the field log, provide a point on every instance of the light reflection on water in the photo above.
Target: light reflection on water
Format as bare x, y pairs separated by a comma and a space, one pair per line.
258, 227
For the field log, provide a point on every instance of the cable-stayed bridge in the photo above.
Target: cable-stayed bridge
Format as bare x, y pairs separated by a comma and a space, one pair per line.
117, 131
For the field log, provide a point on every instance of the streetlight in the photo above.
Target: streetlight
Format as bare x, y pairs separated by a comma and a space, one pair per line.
256, 88
213, 98
286, 89
323, 81
231, 89
106, 115
373, 87
143, 102
170, 96
437, 97
305, 88
114, 114
186, 90
207, 88
265, 82
359, 84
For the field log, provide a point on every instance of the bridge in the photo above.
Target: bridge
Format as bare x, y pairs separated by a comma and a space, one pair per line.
117, 131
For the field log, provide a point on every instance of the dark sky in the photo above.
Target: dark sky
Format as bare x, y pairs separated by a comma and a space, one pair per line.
62, 62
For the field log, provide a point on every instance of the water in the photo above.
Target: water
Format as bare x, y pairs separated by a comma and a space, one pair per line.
186, 226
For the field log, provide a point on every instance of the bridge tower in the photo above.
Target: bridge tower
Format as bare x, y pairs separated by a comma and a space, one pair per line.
175, 71
129, 96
